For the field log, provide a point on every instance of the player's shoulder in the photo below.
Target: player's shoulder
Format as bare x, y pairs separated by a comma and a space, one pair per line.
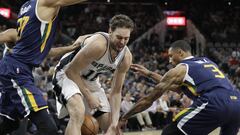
128, 54
98, 38
127, 60
96, 43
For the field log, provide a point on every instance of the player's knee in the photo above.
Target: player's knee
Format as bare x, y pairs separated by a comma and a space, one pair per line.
77, 114
104, 121
52, 129
171, 129
47, 128
76, 109
44, 122
7, 126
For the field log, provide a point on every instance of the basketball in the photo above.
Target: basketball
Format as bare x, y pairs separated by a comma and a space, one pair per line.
90, 126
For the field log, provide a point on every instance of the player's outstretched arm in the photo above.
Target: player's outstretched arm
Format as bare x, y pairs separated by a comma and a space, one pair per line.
145, 72
172, 80
8, 36
47, 10
115, 95
59, 51
60, 3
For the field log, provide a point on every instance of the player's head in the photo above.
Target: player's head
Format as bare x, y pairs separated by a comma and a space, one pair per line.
120, 28
179, 50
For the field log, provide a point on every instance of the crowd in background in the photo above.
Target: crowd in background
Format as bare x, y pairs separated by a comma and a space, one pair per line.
219, 27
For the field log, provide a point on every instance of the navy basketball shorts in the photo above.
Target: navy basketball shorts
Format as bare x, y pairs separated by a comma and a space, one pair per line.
18, 94
217, 108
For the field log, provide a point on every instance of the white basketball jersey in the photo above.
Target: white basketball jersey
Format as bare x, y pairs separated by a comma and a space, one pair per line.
104, 64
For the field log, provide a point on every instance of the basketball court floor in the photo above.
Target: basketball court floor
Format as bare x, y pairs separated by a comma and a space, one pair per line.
158, 132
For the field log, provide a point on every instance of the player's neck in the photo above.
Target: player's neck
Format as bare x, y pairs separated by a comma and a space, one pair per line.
186, 56
113, 53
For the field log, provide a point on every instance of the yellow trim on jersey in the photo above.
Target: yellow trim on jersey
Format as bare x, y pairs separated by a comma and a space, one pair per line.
191, 89
33, 101
46, 36
181, 113
41, 108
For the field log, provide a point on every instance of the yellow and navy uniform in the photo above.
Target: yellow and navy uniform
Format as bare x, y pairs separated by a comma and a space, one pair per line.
18, 94
216, 102
35, 35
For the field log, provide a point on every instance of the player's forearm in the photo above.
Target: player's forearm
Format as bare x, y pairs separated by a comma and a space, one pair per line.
8, 36
59, 51
154, 76
2, 38
68, 2
75, 77
115, 102
140, 106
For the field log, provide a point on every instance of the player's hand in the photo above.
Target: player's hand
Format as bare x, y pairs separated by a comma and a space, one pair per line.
75, 46
78, 42
140, 69
93, 102
112, 130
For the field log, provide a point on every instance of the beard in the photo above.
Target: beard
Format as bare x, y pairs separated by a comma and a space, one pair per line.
114, 47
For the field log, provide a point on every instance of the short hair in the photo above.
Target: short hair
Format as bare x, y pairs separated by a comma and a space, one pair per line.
121, 21
181, 44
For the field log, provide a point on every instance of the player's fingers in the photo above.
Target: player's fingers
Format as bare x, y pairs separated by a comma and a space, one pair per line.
119, 131
137, 66
99, 105
77, 45
94, 107
132, 65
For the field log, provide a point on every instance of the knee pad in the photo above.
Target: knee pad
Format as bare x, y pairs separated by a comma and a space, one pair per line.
7, 125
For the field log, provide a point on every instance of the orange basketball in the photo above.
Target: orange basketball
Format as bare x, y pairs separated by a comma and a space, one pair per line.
90, 126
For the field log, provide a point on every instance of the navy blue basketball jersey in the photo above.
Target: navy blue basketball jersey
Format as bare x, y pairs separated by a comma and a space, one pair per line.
203, 75
35, 36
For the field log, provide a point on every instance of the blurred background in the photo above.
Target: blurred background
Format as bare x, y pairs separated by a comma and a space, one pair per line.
212, 27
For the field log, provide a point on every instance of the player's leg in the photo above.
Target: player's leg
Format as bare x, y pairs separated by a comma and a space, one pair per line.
7, 125
8, 115
36, 104
32, 103
103, 120
69, 96
172, 129
232, 121
103, 114
200, 118
76, 110
44, 122
20, 96
230, 129
22, 127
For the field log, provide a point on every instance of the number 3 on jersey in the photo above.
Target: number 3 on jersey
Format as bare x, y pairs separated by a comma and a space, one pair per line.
217, 72
21, 22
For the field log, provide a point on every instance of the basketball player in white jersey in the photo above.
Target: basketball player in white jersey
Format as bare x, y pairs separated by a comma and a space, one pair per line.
76, 79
